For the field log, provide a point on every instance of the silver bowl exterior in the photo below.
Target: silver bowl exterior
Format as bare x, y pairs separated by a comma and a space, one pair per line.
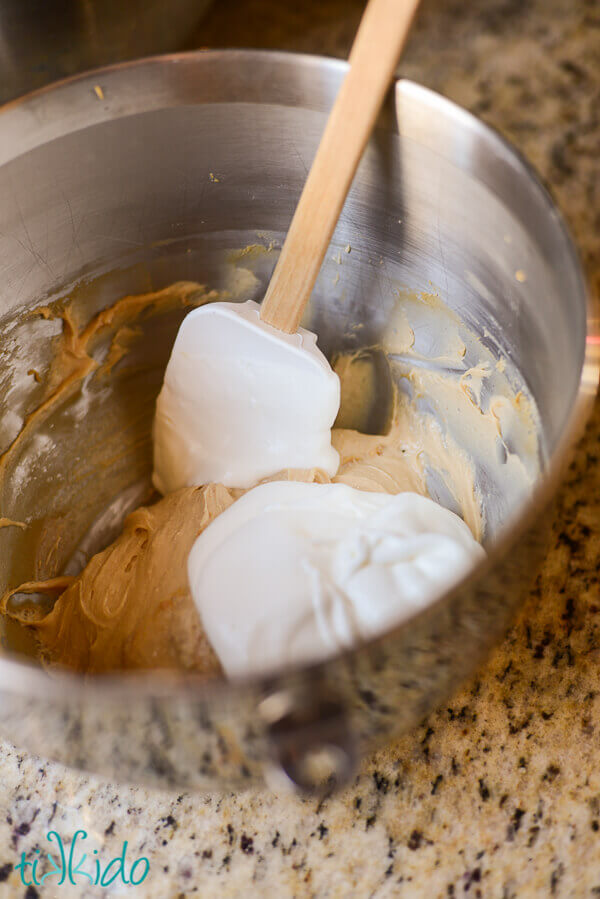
120, 188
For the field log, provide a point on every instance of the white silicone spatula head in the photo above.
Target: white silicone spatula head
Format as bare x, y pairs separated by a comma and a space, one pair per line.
242, 401
247, 394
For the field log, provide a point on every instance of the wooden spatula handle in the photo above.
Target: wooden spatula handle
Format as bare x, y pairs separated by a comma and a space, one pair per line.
373, 58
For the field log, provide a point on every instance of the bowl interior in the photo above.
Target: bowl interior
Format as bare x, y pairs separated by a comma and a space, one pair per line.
193, 176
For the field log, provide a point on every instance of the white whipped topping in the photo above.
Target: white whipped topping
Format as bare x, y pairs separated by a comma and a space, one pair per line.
294, 573
241, 401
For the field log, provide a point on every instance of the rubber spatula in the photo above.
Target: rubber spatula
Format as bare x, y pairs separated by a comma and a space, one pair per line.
247, 393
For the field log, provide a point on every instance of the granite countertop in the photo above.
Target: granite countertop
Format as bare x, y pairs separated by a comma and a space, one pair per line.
498, 793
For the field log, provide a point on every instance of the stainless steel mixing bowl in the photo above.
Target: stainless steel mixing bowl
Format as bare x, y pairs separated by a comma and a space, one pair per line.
191, 154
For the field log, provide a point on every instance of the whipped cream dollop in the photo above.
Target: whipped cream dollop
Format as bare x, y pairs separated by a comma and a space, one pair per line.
241, 401
293, 573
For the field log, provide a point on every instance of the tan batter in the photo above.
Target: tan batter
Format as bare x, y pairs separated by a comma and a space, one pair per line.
131, 607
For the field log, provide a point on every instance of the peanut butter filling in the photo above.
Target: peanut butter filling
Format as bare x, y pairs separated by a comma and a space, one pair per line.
130, 607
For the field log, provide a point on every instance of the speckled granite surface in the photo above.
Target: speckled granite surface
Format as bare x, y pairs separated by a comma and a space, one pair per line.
497, 794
